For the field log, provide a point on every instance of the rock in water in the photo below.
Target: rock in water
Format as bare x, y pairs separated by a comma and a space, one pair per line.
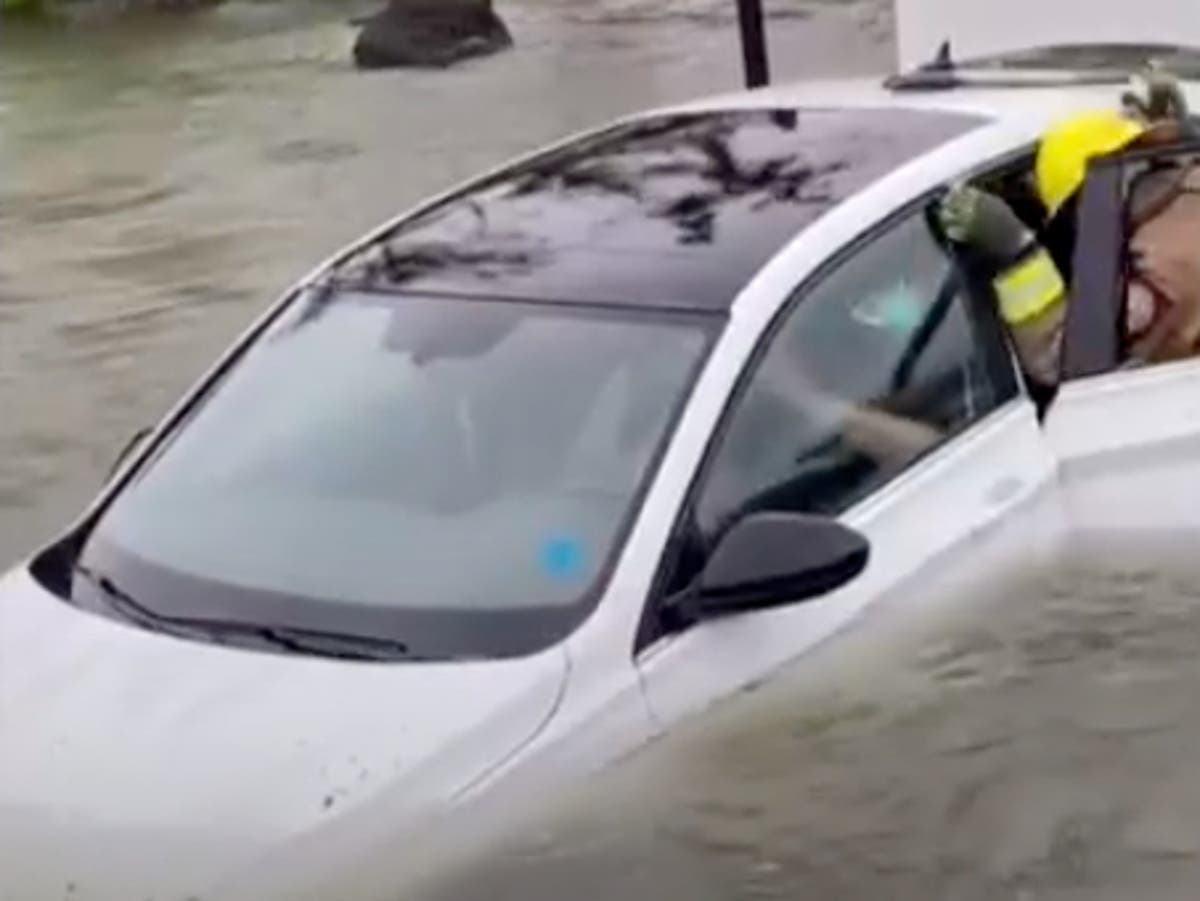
430, 33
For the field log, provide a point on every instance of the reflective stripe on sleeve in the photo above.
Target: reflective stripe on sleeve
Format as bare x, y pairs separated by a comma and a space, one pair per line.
1029, 288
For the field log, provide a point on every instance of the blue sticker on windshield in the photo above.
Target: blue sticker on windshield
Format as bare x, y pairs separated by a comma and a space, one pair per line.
563, 559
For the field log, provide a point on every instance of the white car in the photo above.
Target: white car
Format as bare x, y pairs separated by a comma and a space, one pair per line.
573, 450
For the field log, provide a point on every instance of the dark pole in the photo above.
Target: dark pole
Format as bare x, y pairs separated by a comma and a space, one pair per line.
754, 42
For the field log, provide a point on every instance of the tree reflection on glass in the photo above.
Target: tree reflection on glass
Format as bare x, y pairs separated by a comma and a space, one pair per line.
692, 172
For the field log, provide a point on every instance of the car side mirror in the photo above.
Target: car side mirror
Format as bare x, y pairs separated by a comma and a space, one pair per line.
772, 560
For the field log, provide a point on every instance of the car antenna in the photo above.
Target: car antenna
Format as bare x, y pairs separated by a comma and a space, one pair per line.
754, 43
938, 73
942, 62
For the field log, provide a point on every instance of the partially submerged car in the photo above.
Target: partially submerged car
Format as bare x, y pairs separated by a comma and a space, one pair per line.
576, 449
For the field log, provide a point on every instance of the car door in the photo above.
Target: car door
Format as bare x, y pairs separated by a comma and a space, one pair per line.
883, 393
1125, 435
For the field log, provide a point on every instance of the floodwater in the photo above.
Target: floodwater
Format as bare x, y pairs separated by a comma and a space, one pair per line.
161, 183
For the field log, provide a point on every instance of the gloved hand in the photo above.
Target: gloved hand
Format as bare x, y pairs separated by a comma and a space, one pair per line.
983, 222
1154, 96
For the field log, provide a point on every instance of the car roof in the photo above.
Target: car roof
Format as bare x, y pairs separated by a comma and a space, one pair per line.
1029, 98
925, 29
677, 209
680, 207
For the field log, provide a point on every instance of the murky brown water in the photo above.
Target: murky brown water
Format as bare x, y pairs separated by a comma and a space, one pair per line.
160, 184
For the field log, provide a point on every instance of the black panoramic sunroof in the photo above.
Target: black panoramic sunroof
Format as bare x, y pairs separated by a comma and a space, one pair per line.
668, 211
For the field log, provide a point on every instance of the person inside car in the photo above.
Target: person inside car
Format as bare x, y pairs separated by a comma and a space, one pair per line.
1163, 228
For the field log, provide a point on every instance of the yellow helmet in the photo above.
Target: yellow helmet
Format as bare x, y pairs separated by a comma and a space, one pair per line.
1068, 147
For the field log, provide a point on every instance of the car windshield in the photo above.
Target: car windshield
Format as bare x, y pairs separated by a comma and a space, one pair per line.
453, 474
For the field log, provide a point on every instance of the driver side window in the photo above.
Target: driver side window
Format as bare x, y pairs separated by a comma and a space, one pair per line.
882, 359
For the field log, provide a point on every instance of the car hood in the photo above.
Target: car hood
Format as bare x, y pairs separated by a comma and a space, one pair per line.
136, 765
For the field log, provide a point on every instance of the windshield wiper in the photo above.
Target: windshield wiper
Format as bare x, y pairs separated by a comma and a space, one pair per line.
329, 644
288, 638
119, 601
